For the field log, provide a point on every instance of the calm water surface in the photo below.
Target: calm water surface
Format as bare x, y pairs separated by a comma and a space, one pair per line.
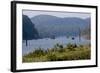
49, 43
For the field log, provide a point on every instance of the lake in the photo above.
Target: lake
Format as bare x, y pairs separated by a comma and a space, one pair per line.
49, 43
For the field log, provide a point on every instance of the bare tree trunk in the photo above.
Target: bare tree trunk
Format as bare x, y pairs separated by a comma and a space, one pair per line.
79, 34
26, 43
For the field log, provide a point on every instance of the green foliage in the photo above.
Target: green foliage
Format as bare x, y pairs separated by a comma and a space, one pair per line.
39, 52
58, 46
71, 46
59, 53
51, 57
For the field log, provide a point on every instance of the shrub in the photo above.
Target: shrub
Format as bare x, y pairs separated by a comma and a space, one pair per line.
71, 46
51, 57
38, 52
33, 55
58, 46
61, 50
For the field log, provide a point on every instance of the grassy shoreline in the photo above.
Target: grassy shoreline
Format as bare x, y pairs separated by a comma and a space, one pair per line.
59, 53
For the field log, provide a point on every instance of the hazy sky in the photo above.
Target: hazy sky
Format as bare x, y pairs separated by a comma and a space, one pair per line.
32, 13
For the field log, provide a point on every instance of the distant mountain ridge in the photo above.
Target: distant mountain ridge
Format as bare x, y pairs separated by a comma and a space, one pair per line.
48, 25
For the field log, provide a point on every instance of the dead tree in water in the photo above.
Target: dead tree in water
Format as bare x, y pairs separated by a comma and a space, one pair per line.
79, 34
26, 42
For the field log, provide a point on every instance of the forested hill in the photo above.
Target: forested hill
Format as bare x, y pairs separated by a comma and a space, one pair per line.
29, 30
48, 25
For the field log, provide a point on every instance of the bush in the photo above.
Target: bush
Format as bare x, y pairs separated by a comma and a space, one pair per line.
71, 47
61, 50
58, 46
51, 57
36, 53
39, 52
